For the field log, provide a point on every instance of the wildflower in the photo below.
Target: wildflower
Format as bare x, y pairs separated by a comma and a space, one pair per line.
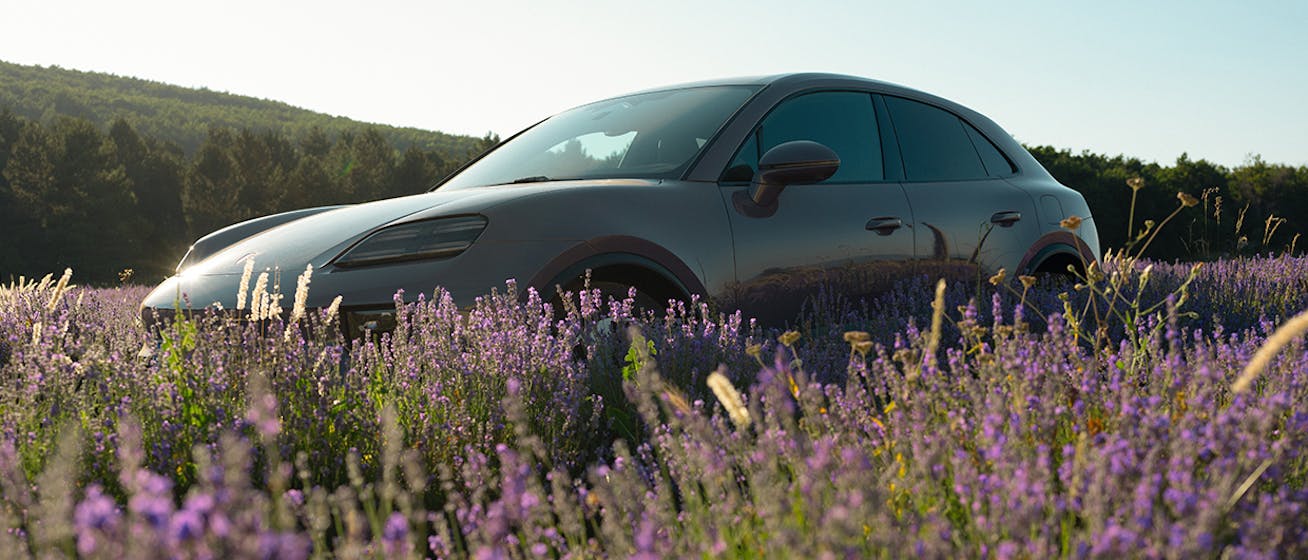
788, 338
998, 278
395, 535
854, 337
185, 525
60, 288
244, 285
1136, 183
334, 309
754, 351
274, 304
153, 503
301, 296
1187, 200
677, 400
1071, 223
1027, 280
1282, 337
937, 316
729, 398
96, 512
263, 414
257, 304
1094, 274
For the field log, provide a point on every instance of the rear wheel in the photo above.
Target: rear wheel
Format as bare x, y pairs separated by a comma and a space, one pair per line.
1058, 265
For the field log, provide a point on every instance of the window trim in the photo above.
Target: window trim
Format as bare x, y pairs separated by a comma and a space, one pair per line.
876, 114
1012, 167
1013, 170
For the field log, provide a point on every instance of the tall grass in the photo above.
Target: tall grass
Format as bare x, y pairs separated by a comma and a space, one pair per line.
936, 427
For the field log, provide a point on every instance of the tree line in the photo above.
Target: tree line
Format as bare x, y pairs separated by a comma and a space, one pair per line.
1254, 208
72, 195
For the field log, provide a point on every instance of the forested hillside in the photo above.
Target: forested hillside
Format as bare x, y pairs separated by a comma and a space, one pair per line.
179, 115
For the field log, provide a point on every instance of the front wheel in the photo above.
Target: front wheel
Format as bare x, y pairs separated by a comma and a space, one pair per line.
613, 290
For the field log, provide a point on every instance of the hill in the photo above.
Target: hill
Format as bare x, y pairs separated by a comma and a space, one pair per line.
182, 115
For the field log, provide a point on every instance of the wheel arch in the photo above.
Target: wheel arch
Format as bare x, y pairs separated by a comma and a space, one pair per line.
621, 258
1054, 251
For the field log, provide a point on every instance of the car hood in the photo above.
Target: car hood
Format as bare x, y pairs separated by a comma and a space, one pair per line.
319, 238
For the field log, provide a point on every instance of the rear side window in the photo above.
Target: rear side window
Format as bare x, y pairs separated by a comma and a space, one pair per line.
996, 164
935, 144
843, 121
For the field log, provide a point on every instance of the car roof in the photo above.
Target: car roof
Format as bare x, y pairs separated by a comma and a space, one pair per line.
784, 85
786, 79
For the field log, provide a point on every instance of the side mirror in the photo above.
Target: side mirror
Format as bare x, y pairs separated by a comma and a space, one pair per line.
797, 162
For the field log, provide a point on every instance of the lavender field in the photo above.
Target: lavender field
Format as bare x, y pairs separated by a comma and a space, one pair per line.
1120, 417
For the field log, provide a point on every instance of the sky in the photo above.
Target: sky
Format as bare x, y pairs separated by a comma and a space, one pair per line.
1150, 79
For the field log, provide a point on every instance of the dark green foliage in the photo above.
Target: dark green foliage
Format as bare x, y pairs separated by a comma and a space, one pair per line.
1256, 207
72, 200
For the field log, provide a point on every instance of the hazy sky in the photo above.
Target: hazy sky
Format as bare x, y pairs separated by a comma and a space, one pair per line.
1152, 79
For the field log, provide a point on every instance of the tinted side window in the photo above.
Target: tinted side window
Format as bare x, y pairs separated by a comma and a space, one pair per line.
996, 164
843, 121
933, 142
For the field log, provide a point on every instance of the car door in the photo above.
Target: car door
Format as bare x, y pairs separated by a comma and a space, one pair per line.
845, 234
969, 220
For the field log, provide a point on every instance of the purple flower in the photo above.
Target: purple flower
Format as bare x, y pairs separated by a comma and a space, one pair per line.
294, 497
185, 525
153, 502
395, 534
94, 517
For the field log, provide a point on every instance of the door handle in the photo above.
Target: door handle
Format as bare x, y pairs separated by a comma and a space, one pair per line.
885, 225
1006, 219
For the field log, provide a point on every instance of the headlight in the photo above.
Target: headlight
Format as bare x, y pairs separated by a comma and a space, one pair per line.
431, 239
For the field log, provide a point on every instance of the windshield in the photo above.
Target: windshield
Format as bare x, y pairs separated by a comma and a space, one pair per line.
650, 135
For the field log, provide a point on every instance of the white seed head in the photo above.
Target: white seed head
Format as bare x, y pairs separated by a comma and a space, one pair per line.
245, 284
729, 398
59, 289
257, 297
334, 309
301, 297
